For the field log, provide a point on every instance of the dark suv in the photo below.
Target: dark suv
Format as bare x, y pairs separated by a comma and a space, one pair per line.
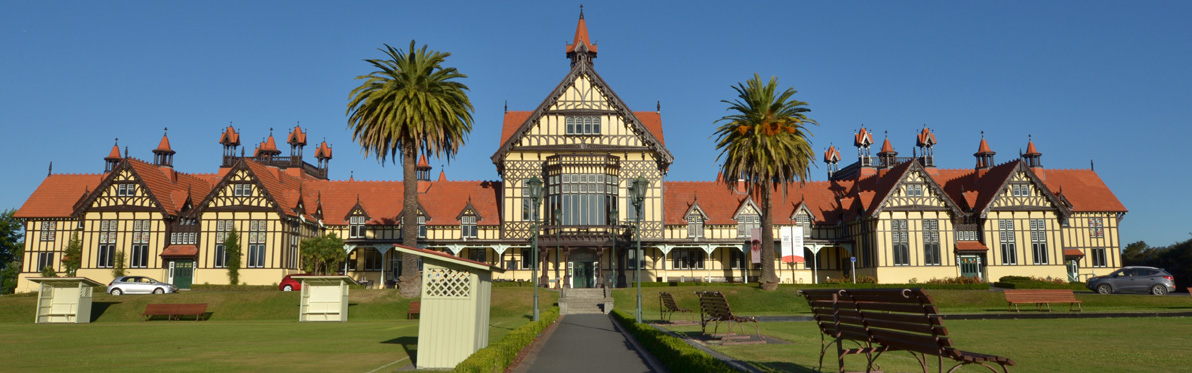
1134, 279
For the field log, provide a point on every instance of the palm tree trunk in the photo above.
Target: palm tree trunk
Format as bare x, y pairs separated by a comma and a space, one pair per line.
769, 280
410, 280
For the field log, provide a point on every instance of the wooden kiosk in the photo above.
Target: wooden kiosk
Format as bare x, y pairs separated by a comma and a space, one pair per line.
64, 299
324, 298
456, 297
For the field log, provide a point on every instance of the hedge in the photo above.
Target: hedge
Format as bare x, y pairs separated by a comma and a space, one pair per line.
671, 351
497, 356
1040, 285
206, 287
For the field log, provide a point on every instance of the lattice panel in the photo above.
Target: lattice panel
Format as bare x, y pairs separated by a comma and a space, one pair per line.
448, 283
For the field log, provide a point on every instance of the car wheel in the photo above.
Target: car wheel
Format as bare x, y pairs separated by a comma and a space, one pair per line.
117, 291
1104, 289
287, 288
158, 291
1159, 290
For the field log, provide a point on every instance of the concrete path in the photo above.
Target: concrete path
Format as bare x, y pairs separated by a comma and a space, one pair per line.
585, 343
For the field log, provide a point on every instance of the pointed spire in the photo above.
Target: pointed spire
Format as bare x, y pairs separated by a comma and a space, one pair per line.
115, 153
983, 148
164, 145
1030, 147
297, 136
581, 48
51, 171
886, 147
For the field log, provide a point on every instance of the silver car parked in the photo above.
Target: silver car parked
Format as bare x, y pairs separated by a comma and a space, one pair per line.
139, 285
1134, 279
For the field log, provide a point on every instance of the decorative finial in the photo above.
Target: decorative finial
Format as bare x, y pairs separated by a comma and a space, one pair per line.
506, 106
270, 131
164, 131
51, 172
126, 151
581, 11
1091, 167
982, 135
659, 106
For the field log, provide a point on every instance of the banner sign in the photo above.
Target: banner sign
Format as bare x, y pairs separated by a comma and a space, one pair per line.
755, 244
788, 241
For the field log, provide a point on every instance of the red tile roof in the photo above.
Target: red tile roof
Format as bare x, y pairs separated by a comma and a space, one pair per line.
581, 35
115, 153
983, 148
1084, 189
164, 145
863, 138
297, 137
1073, 252
886, 147
57, 195
180, 250
230, 137
323, 152
169, 187
269, 145
926, 137
720, 203
422, 162
970, 246
1030, 149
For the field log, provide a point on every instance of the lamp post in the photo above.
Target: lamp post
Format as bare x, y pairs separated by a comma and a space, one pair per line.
558, 247
535, 185
638, 192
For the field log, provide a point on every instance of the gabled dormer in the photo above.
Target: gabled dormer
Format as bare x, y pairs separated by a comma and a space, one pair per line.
802, 216
748, 216
423, 218
468, 219
357, 217
695, 218
914, 189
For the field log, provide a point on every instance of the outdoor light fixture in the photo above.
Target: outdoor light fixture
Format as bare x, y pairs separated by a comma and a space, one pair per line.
535, 185
637, 191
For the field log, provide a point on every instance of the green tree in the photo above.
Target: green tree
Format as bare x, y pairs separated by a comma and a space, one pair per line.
764, 143
11, 250
118, 268
322, 254
72, 257
411, 104
232, 250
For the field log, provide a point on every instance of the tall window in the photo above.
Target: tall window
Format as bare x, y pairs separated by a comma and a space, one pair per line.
221, 256
467, 226
583, 125
104, 256
478, 254
736, 259
583, 199
931, 242
256, 243
1039, 241
421, 226
746, 223
695, 225
1096, 228
1008, 242
45, 260
47, 231
294, 246
528, 211
222, 227
688, 258
803, 219
526, 259
356, 227
901, 235
140, 244
372, 259
1099, 257
107, 243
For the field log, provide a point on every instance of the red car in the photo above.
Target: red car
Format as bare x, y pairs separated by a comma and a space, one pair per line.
289, 283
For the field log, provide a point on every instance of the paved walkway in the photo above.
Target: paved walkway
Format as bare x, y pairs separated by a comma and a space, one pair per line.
584, 343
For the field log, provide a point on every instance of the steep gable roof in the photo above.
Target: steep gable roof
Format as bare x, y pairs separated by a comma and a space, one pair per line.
57, 195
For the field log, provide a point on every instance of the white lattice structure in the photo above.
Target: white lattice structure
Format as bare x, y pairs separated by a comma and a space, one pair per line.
456, 297
64, 299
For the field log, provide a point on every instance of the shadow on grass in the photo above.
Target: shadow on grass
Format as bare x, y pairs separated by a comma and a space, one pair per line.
782, 366
409, 344
98, 308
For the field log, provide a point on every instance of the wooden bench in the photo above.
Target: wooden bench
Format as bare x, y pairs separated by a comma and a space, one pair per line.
714, 308
175, 311
667, 306
415, 309
881, 320
1041, 297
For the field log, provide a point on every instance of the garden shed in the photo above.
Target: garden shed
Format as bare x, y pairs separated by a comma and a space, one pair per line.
456, 298
324, 298
64, 299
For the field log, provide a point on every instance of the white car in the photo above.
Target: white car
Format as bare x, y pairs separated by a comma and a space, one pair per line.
139, 285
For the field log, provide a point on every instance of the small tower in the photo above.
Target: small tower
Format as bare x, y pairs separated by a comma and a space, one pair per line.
113, 158
581, 50
230, 139
323, 155
926, 141
862, 140
297, 141
423, 169
832, 158
163, 156
267, 150
1032, 155
888, 156
984, 155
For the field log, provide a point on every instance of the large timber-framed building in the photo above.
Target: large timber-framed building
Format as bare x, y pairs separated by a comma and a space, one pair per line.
901, 218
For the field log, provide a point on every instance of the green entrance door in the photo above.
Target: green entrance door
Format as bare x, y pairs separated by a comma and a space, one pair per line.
970, 266
184, 273
581, 276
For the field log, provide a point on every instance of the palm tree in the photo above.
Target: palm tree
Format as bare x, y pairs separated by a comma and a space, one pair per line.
764, 143
410, 105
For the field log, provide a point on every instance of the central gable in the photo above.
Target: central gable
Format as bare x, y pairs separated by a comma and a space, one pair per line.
914, 189
123, 190
1021, 192
240, 190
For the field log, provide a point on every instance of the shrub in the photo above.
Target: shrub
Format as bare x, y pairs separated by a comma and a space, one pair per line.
48, 271
497, 356
959, 280
671, 351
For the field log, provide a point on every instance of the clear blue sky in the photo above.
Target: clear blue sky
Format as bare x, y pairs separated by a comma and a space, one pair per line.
1090, 80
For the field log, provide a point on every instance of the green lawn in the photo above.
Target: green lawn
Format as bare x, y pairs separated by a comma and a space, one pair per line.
1057, 345
250, 330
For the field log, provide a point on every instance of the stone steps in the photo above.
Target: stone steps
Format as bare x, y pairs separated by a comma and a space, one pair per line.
584, 301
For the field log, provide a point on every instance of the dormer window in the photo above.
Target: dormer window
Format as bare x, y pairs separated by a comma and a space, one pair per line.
746, 223
803, 219
467, 226
583, 125
242, 190
356, 227
695, 225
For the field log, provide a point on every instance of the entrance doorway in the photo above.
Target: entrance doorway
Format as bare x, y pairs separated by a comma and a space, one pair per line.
583, 274
1073, 271
970, 266
182, 273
